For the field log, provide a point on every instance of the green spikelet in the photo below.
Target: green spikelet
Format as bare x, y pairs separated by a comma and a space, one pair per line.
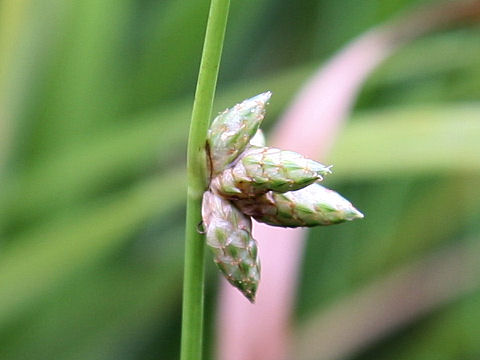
250, 180
232, 130
310, 206
228, 233
263, 169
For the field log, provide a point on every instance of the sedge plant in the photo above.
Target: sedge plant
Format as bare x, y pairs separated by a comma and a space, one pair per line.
232, 178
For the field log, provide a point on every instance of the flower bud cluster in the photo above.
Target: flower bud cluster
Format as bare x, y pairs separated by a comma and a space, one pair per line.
247, 179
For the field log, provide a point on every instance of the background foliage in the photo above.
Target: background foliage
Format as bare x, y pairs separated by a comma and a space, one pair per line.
95, 100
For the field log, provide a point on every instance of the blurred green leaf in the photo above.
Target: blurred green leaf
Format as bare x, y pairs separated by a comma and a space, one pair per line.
41, 258
422, 140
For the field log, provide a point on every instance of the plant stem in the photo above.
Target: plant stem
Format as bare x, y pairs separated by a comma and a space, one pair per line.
193, 283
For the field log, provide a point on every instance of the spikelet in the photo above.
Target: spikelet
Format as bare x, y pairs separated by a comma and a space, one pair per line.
232, 130
247, 180
311, 206
263, 169
229, 236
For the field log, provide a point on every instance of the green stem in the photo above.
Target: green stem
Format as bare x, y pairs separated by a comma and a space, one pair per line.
193, 283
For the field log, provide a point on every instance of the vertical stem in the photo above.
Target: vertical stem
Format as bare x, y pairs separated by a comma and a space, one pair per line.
193, 283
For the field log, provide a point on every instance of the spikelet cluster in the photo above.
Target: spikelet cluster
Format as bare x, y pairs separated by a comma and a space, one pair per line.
274, 186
